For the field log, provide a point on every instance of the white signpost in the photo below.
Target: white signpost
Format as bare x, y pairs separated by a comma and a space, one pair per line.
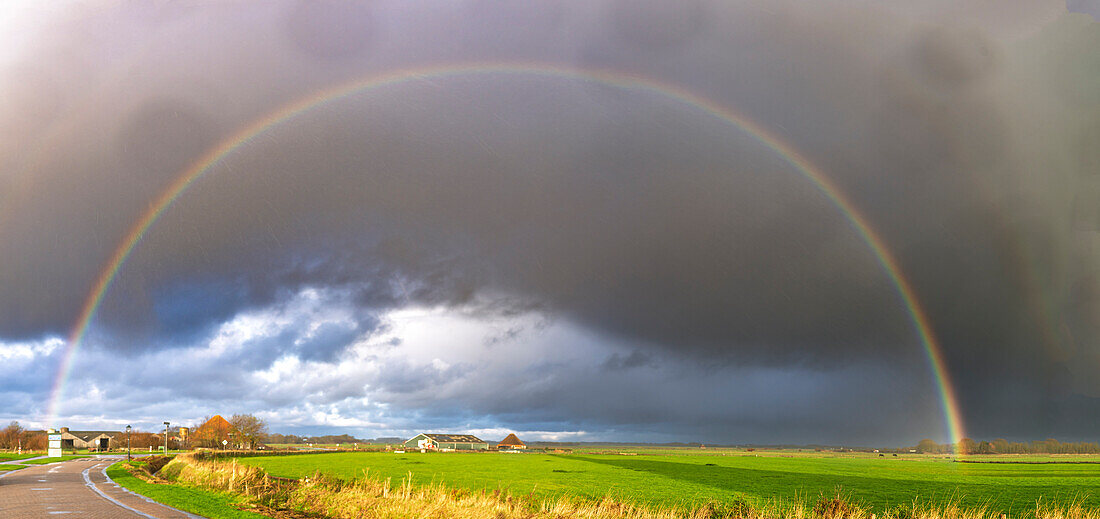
54, 447
224, 442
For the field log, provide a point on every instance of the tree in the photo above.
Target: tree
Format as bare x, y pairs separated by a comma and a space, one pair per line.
144, 440
927, 446
11, 436
34, 440
282, 438
249, 429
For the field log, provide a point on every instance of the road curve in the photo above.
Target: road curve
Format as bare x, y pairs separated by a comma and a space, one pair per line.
77, 488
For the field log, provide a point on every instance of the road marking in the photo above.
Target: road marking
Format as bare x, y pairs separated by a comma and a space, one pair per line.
41, 489
88, 483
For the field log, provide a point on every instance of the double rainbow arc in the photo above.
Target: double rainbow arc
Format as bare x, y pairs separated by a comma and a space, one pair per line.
622, 80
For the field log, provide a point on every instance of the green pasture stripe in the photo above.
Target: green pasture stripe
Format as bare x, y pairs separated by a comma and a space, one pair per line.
665, 480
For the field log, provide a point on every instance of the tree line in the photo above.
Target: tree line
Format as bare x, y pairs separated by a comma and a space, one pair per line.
15, 437
241, 431
1002, 446
326, 439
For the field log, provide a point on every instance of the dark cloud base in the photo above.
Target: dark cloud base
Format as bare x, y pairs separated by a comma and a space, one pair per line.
642, 221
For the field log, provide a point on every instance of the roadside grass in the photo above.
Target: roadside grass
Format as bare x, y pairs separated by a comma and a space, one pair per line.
45, 461
13, 457
4, 468
214, 505
878, 484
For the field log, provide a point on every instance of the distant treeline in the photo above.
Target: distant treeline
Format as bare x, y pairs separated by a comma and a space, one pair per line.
327, 439
1002, 446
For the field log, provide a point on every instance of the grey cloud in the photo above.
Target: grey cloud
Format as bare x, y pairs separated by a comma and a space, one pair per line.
626, 212
636, 359
417, 381
327, 342
1090, 7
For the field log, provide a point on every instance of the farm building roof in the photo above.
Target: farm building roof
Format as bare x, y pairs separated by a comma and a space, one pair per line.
511, 439
454, 438
87, 435
215, 423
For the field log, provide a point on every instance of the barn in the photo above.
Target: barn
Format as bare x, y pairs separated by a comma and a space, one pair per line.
511, 442
458, 442
93, 440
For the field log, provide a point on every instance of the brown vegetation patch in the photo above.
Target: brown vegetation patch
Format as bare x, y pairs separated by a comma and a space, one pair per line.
153, 464
277, 513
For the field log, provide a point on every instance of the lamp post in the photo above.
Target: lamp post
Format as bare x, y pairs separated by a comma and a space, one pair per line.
165, 438
128, 457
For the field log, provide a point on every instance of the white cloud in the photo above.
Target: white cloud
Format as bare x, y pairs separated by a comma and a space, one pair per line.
12, 352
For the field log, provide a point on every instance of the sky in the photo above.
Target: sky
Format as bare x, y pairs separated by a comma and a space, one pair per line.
548, 221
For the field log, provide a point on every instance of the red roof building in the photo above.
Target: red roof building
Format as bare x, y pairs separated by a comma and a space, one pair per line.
511, 442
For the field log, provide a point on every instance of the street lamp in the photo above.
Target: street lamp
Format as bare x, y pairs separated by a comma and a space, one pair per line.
128, 457
165, 438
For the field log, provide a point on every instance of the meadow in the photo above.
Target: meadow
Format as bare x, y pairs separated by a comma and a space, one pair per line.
668, 479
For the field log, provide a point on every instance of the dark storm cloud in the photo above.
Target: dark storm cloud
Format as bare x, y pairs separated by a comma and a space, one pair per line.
1090, 7
628, 213
656, 401
635, 359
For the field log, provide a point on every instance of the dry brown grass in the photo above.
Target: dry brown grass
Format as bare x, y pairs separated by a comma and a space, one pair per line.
375, 498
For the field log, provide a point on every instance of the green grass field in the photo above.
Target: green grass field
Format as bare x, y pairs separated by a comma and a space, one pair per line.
666, 480
7, 467
208, 504
10, 457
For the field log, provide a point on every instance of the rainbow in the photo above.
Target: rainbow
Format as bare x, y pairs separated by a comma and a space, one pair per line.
622, 80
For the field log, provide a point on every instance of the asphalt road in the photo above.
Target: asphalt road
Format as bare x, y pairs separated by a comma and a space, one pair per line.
76, 488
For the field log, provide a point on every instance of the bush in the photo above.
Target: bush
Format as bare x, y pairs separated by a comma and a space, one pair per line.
836, 507
734, 509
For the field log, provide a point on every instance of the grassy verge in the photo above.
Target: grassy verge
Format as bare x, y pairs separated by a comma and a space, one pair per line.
11, 467
13, 457
214, 505
44, 461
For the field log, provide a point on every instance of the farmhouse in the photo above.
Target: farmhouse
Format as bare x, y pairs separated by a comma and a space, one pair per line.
511, 442
98, 440
458, 442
